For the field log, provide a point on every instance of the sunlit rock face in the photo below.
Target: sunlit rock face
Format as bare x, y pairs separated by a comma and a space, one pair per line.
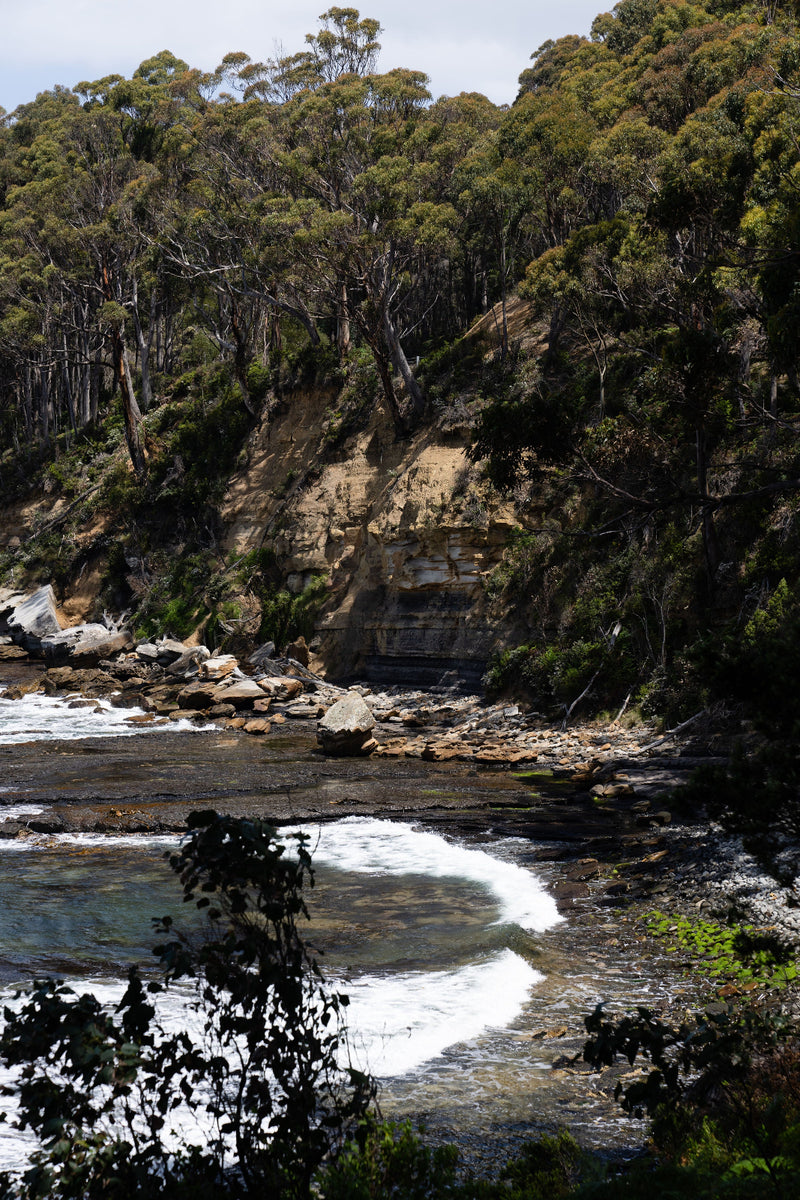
403, 530
413, 606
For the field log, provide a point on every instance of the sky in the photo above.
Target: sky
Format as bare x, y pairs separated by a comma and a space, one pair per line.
462, 45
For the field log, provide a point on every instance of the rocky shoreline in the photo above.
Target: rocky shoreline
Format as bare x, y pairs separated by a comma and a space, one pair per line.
595, 803
596, 798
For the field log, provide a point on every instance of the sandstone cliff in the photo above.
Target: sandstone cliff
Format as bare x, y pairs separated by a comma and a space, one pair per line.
405, 532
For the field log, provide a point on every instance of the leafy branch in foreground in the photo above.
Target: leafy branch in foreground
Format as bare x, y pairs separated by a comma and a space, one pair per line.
722, 1094
238, 1091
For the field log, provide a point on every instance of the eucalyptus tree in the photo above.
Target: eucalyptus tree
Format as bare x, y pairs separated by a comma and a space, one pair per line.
498, 195
76, 256
325, 204
369, 213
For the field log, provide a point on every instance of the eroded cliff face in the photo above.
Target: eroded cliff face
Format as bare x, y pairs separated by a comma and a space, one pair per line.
405, 532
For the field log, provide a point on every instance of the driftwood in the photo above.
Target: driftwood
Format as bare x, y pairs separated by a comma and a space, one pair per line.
62, 516
671, 733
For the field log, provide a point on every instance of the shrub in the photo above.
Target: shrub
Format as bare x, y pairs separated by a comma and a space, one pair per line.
253, 1075
286, 617
723, 1094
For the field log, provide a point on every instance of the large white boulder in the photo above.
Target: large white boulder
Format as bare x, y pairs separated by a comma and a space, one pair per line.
34, 619
346, 728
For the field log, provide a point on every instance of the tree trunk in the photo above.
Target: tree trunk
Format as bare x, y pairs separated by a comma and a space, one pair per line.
503, 301
343, 323
401, 365
130, 409
44, 405
144, 344
710, 542
387, 383
240, 358
557, 322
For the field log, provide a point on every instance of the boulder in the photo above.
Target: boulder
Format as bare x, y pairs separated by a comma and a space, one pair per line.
346, 728
262, 654
164, 652
33, 619
218, 667
290, 688
84, 645
240, 694
170, 650
298, 651
196, 695
147, 652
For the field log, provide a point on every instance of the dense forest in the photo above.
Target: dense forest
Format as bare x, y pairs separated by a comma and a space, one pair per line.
231, 235
236, 233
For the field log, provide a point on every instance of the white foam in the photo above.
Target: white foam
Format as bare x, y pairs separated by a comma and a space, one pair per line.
13, 812
98, 841
49, 718
398, 1022
375, 847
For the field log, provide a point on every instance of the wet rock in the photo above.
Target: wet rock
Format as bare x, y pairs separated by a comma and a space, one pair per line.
46, 824
17, 690
569, 890
346, 728
586, 868
148, 718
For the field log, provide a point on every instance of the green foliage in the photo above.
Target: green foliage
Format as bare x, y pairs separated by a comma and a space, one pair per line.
739, 953
389, 1159
222, 238
252, 1079
386, 1159
286, 617
546, 1169
199, 441
758, 666
723, 1093
355, 401
180, 598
